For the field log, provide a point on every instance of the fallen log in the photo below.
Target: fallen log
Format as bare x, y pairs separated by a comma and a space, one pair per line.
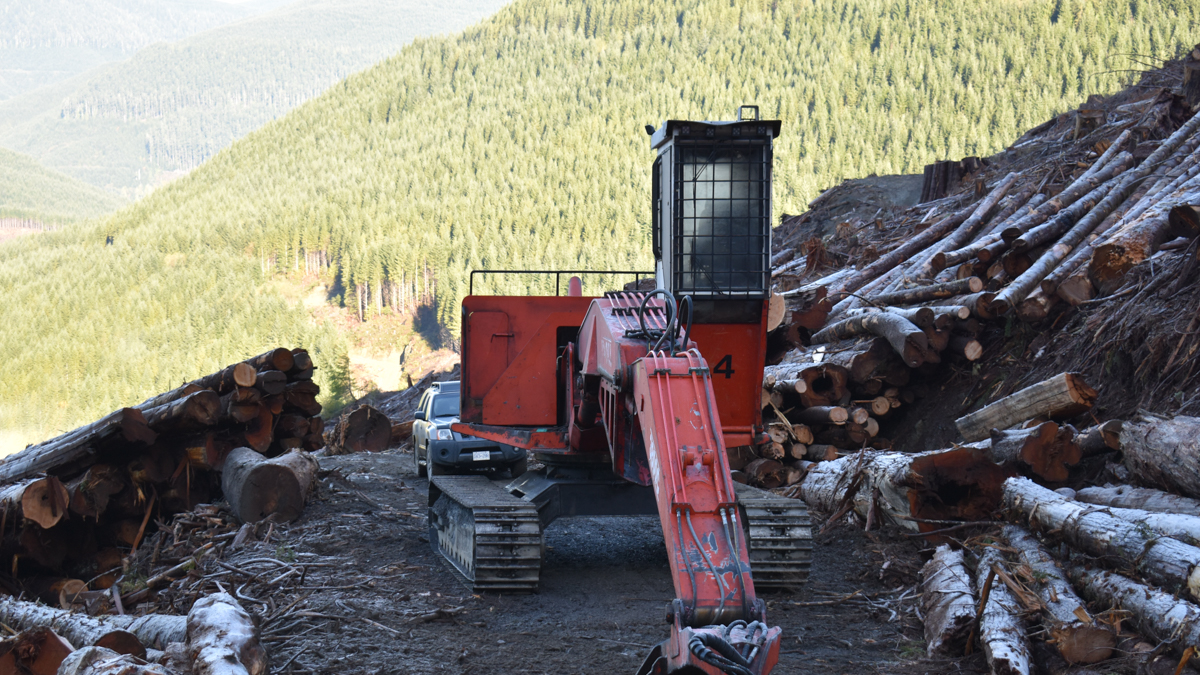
257, 488
222, 639
228, 379
1104, 437
1064, 395
43, 501
364, 429
89, 493
915, 490
766, 473
270, 382
277, 359
863, 361
1166, 562
37, 651
906, 339
947, 289
167, 397
193, 411
1130, 497
75, 450
55, 591
966, 347
1002, 630
822, 415
1164, 452
152, 630
1159, 616
1078, 637
1045, 450
103, 661
947, 603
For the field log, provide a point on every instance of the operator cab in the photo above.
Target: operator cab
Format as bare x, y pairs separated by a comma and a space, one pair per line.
711, 212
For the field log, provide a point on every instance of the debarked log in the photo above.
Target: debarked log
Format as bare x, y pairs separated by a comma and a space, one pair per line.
1159, 616
152, 630
1064, 395
947, 602
909, 341
1166, 562
1148, 499
1076, 635
1002, 630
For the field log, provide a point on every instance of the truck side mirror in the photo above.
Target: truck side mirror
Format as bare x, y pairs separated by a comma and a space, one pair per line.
420, 415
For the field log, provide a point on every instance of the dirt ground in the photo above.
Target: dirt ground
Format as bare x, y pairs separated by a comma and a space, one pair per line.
378, 600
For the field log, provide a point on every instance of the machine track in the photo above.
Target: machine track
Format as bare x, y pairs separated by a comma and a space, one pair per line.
491, 540
780, 534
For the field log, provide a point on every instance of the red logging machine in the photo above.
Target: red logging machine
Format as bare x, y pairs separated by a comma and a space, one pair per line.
616, 397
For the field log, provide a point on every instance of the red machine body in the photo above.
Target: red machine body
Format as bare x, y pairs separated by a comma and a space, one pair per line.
657, 416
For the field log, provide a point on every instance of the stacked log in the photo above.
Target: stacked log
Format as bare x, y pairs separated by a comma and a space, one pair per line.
69, 501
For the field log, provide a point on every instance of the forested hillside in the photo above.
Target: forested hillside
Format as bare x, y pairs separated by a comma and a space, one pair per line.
45, 41
31, 192
174, 105
520, 143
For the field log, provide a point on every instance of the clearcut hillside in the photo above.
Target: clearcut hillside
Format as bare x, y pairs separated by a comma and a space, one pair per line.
519, 143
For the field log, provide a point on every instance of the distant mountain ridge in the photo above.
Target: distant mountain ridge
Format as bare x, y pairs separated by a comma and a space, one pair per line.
46, 41
173, 105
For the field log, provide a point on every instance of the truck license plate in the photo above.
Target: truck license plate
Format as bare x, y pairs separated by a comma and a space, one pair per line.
481, 456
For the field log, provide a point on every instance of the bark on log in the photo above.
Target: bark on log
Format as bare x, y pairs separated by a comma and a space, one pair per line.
948, 289
1159, 616
765, 473
153, 630
947, 602
222, 639
1073, 632
1002, 630
906, 339
1164, 452
270, 382
43, 501
1066, 219
59, 592
277, 359
193, 411
1178, 526
36, 651
1024, 203
820, 452
302, 396
228, 379
257, 487
1140, 240
1102, 438
240, 405
864, 360
89, 494
1045, 450
104, 661
365, 429
1166, 562
739, 456
167, 397
1130, 497
966, 347
822, 415
74, 450
960, 483
1064, 395
776, 311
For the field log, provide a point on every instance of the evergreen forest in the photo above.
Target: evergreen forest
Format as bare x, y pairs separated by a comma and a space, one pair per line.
520, 144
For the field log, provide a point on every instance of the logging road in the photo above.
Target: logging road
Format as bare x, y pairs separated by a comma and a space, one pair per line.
604, 587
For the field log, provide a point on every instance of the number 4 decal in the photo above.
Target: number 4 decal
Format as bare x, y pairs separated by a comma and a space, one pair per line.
725, 366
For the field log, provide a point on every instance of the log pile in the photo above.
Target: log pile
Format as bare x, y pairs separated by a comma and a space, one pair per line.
1087, 257
77, 508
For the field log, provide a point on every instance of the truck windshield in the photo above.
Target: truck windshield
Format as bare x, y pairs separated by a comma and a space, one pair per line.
445, 406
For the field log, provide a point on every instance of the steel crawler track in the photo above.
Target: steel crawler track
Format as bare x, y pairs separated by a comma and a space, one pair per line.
491, 539
780, 534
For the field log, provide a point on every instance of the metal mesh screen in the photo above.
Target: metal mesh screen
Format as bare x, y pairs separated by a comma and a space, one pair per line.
721, 219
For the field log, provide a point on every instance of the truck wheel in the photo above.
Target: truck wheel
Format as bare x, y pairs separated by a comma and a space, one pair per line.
421, 471
519, 467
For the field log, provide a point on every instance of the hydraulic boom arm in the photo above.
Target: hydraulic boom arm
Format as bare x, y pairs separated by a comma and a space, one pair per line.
673, 399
